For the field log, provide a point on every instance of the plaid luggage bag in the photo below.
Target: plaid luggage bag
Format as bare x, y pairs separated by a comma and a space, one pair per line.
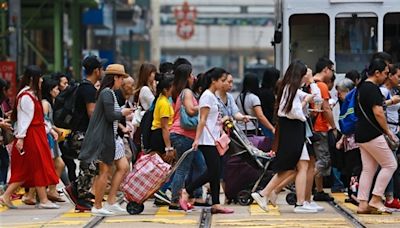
148, 174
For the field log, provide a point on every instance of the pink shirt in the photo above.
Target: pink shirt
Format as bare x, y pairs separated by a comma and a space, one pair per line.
176, 125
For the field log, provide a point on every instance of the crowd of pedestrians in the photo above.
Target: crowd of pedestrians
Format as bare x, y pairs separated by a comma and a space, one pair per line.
107, 132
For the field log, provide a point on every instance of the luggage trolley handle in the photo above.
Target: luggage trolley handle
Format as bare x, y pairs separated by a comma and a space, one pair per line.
178, 163
254, 120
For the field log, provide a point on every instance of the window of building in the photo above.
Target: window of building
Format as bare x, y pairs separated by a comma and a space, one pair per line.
309, 37
355, 41
391, 35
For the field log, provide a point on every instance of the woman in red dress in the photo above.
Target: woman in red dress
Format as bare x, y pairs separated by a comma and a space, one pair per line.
31, 163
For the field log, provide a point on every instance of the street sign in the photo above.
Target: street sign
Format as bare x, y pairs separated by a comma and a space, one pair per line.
8, 72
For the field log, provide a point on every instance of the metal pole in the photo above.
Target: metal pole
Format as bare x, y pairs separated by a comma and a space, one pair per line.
3, 30
114, 29
58, 38
130, 51
76, 45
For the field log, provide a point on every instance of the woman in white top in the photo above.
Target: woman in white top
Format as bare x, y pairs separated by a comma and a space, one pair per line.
290, 157
144, 94
145, 88
31, 163
249, 103
208, 129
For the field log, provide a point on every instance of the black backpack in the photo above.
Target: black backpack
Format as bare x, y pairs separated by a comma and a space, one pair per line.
64, 107
145, 127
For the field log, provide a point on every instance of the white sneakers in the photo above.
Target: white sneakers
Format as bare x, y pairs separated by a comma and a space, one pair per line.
262, 201
315, 205
108, 210
48, 205
101, 212
115, 208
308, 207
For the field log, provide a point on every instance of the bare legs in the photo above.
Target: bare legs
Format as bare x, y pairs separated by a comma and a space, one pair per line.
122, 167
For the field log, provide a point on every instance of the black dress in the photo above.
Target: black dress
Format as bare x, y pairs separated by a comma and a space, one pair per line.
290, 144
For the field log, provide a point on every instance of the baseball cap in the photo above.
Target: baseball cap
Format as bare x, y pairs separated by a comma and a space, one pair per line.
93, 62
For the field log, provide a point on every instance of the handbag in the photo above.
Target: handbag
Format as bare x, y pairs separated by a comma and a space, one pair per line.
138, 115
222, 143
187, 122
393, 144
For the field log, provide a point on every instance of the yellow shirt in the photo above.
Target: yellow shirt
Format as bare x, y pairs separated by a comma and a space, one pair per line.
162, 109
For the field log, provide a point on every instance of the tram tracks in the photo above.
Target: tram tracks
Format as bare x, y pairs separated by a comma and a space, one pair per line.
346, 214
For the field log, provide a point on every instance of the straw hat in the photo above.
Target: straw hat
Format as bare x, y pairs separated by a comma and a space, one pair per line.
116, 69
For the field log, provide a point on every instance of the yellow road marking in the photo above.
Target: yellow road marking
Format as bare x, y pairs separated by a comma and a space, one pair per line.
155, 220
163, 212
72, 214
15, 202
256, 210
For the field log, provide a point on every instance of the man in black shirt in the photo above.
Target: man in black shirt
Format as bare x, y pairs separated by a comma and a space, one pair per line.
79, 191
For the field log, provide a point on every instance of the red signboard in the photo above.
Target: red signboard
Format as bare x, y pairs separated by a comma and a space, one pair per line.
8, 72
185, 19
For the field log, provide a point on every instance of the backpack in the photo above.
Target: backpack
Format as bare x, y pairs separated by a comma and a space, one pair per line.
145, 127
347, 117
64, 106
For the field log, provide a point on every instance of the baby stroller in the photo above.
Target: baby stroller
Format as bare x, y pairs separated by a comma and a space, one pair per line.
246, 168
148, 175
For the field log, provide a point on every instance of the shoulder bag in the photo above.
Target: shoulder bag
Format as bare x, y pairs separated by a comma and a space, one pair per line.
222, 143
187, 122
393, 144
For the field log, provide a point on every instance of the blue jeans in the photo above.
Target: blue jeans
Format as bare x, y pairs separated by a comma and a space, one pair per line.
337, 183
182, 144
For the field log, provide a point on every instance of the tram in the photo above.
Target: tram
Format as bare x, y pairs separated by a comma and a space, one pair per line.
346, 31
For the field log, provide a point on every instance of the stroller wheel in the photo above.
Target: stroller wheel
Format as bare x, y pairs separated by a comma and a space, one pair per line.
291, 198
134, 208
244, 198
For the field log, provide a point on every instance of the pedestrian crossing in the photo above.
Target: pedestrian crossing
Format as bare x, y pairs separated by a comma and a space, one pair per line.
244, 216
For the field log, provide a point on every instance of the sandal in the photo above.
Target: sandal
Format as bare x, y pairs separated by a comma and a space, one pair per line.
28, 201
5, 204
382, 210
223, 210
55, 198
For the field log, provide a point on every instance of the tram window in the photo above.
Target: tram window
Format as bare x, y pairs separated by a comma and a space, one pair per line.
355, 41
391, 35
309, 37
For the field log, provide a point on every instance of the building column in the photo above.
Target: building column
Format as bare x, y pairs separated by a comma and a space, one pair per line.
58, 35
155, 54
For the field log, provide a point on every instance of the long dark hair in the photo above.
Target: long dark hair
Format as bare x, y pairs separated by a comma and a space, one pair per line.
211, 75
144, 73
164, 82
270, 77
181, 80
292, 79
106, 82
250, 84
31, 77
47, 86
377, 64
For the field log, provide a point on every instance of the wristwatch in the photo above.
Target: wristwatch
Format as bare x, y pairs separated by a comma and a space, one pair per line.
169, 149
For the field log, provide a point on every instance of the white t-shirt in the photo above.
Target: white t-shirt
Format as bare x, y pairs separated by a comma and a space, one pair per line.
146, 97
208, 99
250, 101
392, 114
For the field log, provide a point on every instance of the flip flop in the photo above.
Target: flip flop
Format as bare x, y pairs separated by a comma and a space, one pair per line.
9, 205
